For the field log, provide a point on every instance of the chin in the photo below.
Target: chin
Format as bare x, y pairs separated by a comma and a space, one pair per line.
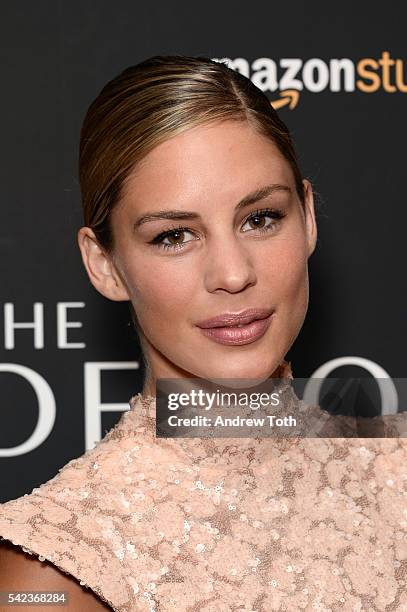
240, 376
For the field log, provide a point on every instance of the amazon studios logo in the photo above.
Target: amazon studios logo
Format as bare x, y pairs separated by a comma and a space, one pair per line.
290, 76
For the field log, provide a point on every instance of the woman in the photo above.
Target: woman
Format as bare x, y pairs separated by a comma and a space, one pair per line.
196, 212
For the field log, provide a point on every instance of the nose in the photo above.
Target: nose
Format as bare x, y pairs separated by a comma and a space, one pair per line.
229, 265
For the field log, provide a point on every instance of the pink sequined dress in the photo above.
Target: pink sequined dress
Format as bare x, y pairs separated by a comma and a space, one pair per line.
226, 524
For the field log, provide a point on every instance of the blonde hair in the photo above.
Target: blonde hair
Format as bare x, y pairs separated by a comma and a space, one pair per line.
152, 101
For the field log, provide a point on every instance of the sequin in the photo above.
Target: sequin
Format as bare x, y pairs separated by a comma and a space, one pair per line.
224, 524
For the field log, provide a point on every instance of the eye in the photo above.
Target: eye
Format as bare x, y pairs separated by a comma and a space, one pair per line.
265, 220
175, 238
258, 220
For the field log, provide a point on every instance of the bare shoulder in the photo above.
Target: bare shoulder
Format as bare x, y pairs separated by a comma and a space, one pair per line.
22, 572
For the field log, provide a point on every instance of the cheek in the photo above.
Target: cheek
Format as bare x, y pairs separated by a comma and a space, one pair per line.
161, 293
285, 269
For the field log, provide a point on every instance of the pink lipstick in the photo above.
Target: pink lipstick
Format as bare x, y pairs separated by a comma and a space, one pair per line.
237, 328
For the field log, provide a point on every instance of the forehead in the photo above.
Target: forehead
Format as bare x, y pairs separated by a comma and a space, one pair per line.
227, 158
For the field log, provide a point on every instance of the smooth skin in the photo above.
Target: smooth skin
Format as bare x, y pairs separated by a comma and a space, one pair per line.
223, 260
20, 572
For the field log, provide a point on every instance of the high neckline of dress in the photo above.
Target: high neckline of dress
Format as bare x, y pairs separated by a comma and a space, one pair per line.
142, 411
140, 422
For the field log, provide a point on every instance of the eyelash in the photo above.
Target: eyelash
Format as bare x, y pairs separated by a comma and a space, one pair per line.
274, 213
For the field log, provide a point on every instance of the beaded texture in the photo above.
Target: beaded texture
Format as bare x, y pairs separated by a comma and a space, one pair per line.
226, 524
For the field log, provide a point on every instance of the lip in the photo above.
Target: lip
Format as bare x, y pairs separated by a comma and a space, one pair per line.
227, 319
223, 328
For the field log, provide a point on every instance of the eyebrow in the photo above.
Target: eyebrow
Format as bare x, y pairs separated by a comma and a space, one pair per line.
251, 198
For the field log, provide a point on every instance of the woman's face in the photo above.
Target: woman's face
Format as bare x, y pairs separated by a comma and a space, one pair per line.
225, 259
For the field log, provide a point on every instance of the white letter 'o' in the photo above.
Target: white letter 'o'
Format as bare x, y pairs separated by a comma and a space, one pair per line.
388, 391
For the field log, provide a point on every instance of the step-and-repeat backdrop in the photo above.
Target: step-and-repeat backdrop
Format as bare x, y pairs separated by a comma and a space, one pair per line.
69, 358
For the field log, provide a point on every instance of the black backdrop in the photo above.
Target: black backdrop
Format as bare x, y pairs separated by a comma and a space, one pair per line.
56, 56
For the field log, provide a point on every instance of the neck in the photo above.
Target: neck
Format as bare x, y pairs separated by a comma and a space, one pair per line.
283, 370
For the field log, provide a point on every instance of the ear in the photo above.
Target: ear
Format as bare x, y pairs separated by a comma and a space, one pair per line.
310, 222
100, 267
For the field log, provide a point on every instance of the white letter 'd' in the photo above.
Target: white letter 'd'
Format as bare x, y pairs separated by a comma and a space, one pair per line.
46, 410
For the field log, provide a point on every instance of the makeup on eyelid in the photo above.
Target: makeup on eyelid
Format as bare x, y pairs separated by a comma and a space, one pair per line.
272, 213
